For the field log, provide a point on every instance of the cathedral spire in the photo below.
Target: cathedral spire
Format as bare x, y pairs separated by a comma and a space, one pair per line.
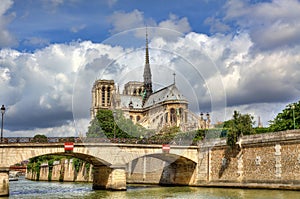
147, 49
147, 73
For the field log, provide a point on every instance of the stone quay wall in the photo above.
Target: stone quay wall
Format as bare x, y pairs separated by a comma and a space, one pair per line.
262, 161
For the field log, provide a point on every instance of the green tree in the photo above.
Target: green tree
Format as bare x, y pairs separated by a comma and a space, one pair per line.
102, 125
40, 138
260, 130
238, 126
285, 119
105, 124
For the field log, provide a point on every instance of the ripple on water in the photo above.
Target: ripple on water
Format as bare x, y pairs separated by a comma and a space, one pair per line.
26, 189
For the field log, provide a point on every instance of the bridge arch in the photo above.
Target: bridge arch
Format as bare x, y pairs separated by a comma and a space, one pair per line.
162, 168
95, 161
16, 155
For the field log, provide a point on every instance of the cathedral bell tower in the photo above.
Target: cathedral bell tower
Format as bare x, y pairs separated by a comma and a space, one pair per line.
147, 74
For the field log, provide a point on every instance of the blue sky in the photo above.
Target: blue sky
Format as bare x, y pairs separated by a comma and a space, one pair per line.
66, 21
228, 55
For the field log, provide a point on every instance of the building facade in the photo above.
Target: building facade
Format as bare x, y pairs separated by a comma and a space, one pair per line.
152, 110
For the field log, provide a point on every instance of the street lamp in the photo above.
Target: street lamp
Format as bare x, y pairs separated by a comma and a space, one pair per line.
2, 113
114, 114
293, 108
204, 123
208, 119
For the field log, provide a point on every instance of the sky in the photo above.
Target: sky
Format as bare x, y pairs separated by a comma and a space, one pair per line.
227, 55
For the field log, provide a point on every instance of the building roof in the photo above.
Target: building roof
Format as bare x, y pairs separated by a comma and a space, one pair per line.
169, 93
134, 83
136, 101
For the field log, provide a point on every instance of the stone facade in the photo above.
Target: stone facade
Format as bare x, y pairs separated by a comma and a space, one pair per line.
290, 162
101, 95
271, 159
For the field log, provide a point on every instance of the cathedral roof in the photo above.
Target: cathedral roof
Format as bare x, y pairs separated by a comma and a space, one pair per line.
169, 93
135, 101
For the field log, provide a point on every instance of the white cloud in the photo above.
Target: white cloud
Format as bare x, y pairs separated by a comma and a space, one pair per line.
38, 88
122, 21
52, 5
111, 2
68, 129
266, 112
250, 78
175, 23
216, 25
270, 24
36, 41
6, 39
77, 28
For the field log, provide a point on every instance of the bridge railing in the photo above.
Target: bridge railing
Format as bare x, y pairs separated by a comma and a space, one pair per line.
11, 140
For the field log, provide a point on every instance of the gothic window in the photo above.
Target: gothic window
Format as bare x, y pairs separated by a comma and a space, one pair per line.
186, 117
181, 114
108, 95
138, 118
166, 117
103, 96
134, 91
173, 115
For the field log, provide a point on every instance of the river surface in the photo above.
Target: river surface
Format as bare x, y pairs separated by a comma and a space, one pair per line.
31, 189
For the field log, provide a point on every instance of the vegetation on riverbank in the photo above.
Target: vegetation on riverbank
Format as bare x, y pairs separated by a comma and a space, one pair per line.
109, 125
35, 164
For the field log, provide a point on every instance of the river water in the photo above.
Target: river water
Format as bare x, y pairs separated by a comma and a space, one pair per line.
31, 189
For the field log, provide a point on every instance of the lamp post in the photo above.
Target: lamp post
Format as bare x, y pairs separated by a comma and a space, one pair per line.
293, 108
204, 123
114, 114
2, 113
207, 120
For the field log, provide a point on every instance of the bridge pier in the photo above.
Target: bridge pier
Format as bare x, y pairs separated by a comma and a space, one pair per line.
4, 181
110, 178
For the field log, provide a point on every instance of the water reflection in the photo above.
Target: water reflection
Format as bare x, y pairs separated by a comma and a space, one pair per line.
31, 189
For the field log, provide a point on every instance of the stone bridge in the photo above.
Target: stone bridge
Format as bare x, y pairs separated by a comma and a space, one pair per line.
111, 161
270, 160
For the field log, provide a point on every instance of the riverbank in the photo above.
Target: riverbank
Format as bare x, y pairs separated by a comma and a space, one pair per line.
266, 186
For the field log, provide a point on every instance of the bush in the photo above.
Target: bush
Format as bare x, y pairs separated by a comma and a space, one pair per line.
40, 138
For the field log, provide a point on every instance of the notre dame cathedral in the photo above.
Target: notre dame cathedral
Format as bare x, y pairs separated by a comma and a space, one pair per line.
151, 109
